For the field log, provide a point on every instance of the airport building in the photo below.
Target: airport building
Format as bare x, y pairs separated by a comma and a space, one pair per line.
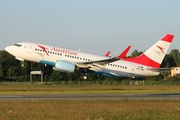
175, 71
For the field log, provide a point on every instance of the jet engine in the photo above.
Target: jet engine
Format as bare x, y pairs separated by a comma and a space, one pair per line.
64, 66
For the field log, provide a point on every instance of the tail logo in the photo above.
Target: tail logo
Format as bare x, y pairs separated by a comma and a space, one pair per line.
162, 49
44, 49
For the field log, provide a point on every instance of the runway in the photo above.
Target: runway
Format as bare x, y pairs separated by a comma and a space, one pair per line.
89, 96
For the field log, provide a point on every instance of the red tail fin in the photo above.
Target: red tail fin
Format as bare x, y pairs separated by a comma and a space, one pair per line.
154, 56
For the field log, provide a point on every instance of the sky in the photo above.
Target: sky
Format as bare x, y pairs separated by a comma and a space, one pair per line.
94, 26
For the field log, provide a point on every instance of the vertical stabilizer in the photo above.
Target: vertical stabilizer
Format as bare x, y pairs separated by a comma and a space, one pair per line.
154, 56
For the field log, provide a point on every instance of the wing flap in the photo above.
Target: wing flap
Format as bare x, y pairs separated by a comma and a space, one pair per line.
82, 65
96, 65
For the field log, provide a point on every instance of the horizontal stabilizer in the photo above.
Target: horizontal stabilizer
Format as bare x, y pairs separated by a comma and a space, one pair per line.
159, 69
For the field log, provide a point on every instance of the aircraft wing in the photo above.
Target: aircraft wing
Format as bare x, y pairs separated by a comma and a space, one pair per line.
159, 69
96, 65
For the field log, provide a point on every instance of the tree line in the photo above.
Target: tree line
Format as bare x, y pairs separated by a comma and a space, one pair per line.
13, 70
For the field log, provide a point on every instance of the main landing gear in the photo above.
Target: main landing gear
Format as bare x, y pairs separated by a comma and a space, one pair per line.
83, 76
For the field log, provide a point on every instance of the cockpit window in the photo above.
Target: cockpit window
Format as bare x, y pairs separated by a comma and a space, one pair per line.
18, 45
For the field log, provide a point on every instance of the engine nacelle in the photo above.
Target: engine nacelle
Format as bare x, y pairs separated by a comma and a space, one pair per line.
64, 66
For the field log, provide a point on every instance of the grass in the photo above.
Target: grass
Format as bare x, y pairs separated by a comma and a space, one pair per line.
90, 110
99, 109
20, 89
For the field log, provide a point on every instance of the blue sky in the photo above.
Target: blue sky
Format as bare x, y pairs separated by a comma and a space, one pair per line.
94, 26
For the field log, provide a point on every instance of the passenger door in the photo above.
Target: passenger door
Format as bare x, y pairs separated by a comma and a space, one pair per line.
30, 49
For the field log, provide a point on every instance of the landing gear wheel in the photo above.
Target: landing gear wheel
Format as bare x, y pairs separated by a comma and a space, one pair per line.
84, 77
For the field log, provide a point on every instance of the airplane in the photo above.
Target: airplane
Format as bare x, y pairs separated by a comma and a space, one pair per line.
66, 60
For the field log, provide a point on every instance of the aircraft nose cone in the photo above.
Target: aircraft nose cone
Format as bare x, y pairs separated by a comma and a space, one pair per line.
8, 48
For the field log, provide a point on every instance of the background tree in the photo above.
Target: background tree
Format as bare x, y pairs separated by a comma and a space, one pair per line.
176, 56
136, 53
168, 61
7, 61
1, 72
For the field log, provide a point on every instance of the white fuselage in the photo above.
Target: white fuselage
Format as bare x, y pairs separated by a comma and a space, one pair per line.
50, 54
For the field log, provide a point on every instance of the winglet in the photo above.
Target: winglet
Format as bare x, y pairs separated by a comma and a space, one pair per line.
107, 54
124, 53
168, 38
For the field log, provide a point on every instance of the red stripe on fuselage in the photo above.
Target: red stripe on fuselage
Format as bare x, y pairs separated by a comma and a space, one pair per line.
144, 60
